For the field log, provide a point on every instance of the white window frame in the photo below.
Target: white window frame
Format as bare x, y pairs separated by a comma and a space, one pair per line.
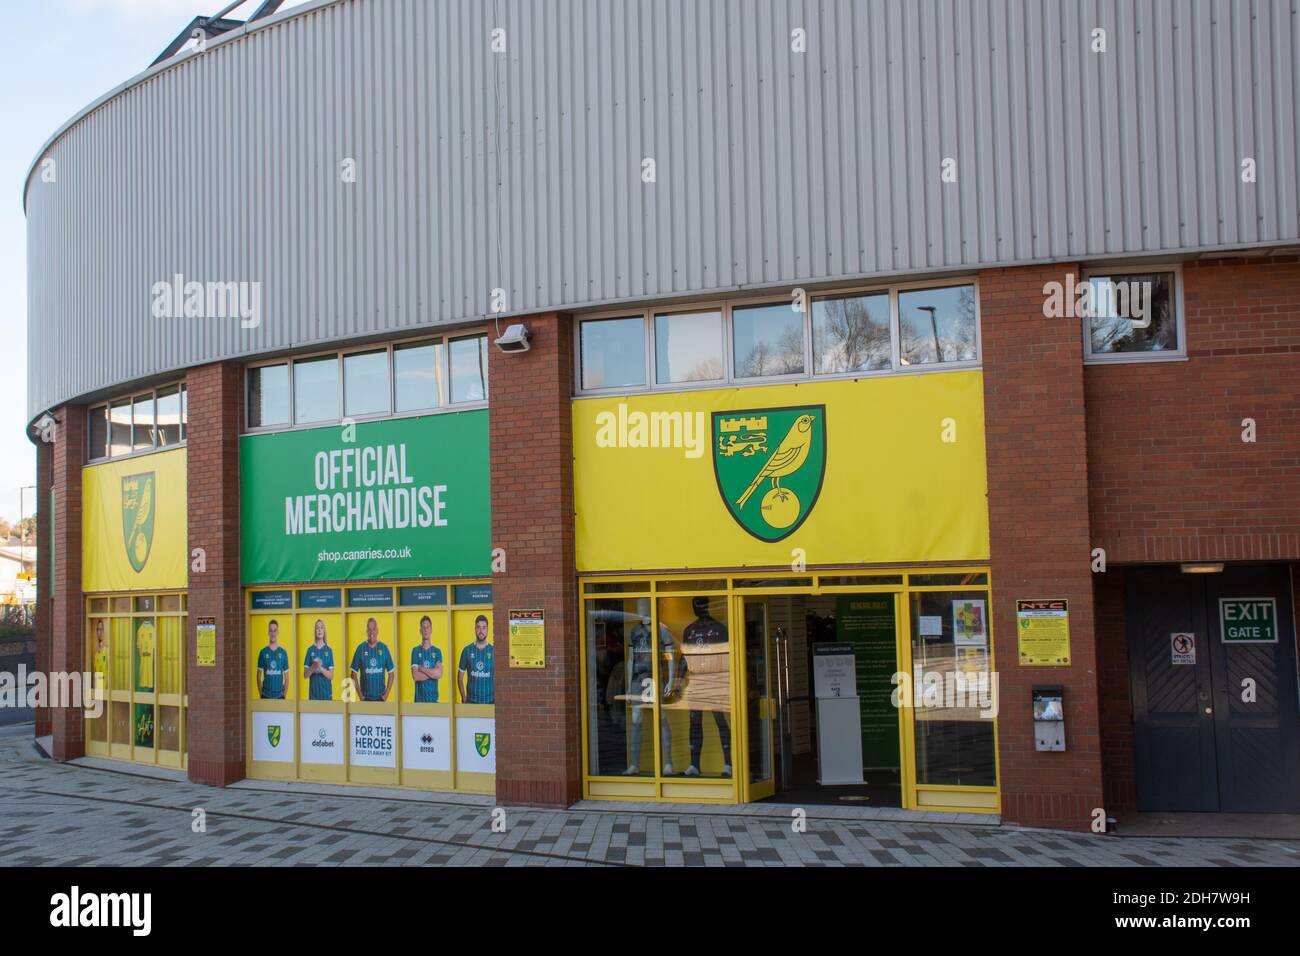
652, 353
389, 347
727, 306
129, 397
446, 343
1180, 322
387, 352
288, 367
444, 380
647, 339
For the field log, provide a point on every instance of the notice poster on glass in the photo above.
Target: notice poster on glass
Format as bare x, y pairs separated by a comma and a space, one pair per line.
969, 623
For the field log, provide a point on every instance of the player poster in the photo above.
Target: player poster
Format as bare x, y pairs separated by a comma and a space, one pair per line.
969, 623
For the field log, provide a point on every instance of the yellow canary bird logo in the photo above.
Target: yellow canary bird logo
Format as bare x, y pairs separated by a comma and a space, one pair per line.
138, 506
788, 458
794, 467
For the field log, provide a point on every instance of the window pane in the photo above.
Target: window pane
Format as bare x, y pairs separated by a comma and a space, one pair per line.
417, 371
316, 390
98, 444
1116, 303
698, 626
613, 353
469, 369
268, 396
953, 688
937, 325
688, 348
169, 416
767, 340
185, 412
142, 423
365, 383
851, 334
619, 660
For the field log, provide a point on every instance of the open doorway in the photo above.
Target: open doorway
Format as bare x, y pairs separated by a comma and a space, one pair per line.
834, 732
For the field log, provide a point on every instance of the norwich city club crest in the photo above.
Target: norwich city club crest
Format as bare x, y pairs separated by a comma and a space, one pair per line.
770, 463
137, 517
273, 734
482, 743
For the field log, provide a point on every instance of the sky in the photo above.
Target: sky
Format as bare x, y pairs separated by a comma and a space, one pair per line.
57, 56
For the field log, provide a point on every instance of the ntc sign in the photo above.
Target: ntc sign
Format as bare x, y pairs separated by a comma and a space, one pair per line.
1248, 620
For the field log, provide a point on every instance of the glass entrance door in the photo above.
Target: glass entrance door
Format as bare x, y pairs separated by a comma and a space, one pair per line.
757, 706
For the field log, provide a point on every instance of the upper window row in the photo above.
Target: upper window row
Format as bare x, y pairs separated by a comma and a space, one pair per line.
888, 330
138, 423
373, 382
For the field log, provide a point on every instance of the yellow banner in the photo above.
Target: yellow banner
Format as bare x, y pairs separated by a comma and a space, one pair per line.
878, 470
134, 516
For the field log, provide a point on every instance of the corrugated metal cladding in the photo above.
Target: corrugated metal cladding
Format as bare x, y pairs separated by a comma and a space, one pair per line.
477, 170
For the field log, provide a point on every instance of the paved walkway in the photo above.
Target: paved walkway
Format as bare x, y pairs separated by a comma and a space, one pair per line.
79, 815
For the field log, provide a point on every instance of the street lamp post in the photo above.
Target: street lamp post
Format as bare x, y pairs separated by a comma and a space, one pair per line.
934, 329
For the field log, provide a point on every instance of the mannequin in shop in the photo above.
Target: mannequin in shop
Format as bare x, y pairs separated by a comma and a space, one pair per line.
640, 679
706, 650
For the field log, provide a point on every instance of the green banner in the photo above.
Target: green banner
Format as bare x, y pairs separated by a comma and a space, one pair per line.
400, 498
867, 622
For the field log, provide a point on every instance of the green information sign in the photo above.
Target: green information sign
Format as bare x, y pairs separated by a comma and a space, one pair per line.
400, 498
867, 622
1248, 620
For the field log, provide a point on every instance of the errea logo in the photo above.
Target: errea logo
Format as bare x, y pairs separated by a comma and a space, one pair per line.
76, 909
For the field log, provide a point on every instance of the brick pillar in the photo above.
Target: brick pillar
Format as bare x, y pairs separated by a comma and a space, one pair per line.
44, 602
67, 608
538, 755
1114, 693
217, 694
1039, 539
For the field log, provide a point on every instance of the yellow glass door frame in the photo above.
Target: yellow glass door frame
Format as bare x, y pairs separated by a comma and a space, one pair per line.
906, 712
751, 789
120, 614
939, 798
812, 583
655, 787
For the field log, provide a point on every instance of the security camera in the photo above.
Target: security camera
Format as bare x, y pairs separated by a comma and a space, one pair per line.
516, 338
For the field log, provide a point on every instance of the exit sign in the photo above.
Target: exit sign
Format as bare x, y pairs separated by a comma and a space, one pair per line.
1248, 620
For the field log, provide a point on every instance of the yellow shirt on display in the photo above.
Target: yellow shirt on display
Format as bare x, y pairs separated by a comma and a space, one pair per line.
144, 647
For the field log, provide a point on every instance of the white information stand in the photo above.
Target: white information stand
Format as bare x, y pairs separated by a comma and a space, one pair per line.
839, 716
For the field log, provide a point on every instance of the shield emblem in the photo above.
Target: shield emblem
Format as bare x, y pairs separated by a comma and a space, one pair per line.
482, 743
273, 734
769, 463
137, 517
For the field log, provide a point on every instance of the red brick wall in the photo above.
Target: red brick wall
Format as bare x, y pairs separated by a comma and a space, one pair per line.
1039, 539
216, 694
1170, 478
538, 755
44, 604
67, 611
1116, 701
